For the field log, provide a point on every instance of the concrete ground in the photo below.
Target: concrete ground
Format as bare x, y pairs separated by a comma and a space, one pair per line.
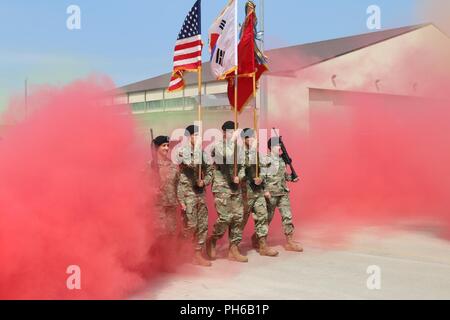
413, 265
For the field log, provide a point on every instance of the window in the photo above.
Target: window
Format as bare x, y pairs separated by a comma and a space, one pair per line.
138, 107
155, 106
174, 104
190, 103
213, 102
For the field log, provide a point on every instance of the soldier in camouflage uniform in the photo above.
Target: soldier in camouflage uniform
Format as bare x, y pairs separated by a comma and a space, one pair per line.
191, 193
166, 199
227, 195
278, 197
254, 196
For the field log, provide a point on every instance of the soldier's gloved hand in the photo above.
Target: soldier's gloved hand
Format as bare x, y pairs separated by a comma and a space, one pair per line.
201, 183
183, 207
236, 180
267, 195
258, 181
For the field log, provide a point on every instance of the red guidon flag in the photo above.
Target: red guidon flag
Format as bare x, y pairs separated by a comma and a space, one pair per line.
188, 48
250, 61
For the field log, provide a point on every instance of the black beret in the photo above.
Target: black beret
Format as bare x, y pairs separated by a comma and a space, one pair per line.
159, 141
229, 125
275, 141
247, 133
191, 130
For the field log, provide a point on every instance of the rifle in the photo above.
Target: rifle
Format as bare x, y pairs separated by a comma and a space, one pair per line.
285, 156
154, 162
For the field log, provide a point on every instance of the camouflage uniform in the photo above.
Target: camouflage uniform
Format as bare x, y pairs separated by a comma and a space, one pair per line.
193, 197
227, 196
255, 201
276, 184
166, 200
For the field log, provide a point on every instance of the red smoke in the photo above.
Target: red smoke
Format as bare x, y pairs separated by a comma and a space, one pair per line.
371, 160
74, 192
376, 164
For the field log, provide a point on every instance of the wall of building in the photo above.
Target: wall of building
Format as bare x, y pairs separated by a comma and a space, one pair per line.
164, 123
159, 100
165, 112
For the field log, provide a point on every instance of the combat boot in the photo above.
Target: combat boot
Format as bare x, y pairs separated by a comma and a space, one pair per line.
265, 250
291, 245
211, 248
235, 255
255, 243
200, 261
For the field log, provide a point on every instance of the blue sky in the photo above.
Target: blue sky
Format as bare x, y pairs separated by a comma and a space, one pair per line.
133, 40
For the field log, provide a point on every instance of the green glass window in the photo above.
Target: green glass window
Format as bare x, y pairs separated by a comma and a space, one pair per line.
190, 103
174, 104
138, 107
155, 106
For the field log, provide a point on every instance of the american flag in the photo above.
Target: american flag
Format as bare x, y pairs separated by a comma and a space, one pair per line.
188, 48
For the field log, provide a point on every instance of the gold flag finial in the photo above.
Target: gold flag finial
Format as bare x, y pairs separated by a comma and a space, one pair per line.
250, 6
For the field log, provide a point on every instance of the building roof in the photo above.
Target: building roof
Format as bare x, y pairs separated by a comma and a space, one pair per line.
299, 57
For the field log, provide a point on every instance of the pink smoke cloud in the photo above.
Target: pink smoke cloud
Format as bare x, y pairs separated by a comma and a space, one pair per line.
73, 192
371, 159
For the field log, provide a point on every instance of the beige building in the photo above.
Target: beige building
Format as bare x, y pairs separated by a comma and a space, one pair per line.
392, 64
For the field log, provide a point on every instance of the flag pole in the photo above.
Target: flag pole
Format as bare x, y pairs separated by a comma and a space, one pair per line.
236, 81
200, 111
200, 115
255, 114
236, 127
258, 116
255, 124
262, 90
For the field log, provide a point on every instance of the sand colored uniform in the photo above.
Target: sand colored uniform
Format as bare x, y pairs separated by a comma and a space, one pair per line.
276, 183
193, 197
166, 200
227, 195
255, 201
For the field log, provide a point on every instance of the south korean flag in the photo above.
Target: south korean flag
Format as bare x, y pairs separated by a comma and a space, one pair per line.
223, 42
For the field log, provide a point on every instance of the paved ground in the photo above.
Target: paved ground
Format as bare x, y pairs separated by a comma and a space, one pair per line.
414, 265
